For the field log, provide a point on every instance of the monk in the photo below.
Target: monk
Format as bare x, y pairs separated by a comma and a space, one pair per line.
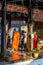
15, 44
35, 40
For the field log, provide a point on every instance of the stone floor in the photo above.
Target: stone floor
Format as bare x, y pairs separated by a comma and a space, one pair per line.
27, 62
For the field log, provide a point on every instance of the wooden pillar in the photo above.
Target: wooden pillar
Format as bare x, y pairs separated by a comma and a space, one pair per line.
31, 22
3, 34
31, 32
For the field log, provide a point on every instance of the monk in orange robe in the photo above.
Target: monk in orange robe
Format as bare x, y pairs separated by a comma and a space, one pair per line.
35, 40
15, 44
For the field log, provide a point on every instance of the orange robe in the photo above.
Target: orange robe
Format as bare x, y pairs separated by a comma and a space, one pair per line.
15, 45
15, 40
35, 41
